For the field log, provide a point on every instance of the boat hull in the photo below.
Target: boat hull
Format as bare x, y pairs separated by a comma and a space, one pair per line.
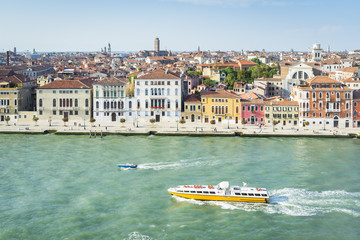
220, 198
124, 166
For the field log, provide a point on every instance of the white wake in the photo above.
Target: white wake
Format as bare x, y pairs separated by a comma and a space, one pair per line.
296, 202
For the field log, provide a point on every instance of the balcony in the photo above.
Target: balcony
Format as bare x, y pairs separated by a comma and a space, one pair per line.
305, 109
333, 110
66, 108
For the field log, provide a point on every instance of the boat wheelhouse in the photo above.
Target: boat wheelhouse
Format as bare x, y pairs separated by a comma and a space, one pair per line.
221, 192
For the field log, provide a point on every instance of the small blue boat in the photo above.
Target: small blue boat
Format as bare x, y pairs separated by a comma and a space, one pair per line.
128, 165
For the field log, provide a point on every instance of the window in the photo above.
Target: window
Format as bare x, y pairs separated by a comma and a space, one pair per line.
40, 102
86, 112
54, 91
40, 112
130, 104
146, 92
54, 112
54, 102
176, 91
138, 91
86, 102
97, 104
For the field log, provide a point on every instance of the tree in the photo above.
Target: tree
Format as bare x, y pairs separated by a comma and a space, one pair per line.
274, 122
152, 120
209, 82
35, 119
243, 122
92, 120
306, 123
212, 121
256, 60
122, 120
182, 121
7, 119
65, 120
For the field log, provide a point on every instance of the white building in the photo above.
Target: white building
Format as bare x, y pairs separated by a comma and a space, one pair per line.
111, 101
158, 95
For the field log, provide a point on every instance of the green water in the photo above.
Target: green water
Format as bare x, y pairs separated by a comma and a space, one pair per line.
69, 187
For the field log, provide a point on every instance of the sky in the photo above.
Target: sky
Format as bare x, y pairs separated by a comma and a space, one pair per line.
181, 25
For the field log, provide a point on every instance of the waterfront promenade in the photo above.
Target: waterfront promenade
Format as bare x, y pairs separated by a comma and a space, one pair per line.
175, 129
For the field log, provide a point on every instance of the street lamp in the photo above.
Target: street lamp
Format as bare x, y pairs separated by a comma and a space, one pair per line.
50, 121
228, 122
177, 124
84, 124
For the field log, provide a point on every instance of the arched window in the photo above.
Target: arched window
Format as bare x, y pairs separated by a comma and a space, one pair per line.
152, 91
54, 102
76, 102
168, 91
130, 104
118, 104
107, 105
67, 102
138, 91
294, 76
146, 92
337, 95
104, 105
320, 95
146, 103
87, 102
168, 102
97, 104
306, 76
355, 113
163, 91
176, 91
40, 102
159, 91
176, 104
138, 103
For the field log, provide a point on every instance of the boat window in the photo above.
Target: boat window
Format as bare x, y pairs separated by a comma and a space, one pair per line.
206, 192
180, 190
199, 192
236, 188
212, 192
251, 194
186, 191
237, 193
264, 195
257, 194
192, 191
244, 194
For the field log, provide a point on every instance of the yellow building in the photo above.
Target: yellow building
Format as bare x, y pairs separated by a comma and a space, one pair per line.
220, 105
284, 112
60, 99
16, 94
192, 109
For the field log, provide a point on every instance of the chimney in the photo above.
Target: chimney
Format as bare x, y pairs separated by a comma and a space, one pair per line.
7, 58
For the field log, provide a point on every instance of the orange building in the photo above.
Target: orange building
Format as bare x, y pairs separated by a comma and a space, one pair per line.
324, 102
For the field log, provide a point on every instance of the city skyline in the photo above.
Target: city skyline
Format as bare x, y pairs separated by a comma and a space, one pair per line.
181, 25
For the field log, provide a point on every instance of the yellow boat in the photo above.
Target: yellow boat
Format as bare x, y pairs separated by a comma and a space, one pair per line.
221, 192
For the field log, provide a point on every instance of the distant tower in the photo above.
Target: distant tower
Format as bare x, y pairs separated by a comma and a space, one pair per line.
242, 52
263, 52
7, 58
157, 45
316, 52
15, 50
328, 49
105, 50
198, 48
34, 52
109, 49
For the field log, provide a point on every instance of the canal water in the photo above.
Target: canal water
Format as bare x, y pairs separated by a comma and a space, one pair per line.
69, 187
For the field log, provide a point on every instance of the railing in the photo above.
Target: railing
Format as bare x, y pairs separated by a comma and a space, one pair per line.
333, 110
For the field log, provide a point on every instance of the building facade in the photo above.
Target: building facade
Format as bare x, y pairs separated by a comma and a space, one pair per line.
60, 99
111, 101
192, 108
324, 102
220, 106
284, 112
252, 111
158, 96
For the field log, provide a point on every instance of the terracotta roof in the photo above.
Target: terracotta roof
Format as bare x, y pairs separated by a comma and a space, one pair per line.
14, 79
159, 74
112, 80
246, 62
65, 84
349, 69
193, 98
219, 93
321, 79
251, 95
350, 79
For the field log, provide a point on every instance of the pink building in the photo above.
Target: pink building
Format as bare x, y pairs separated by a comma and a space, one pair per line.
252, 111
